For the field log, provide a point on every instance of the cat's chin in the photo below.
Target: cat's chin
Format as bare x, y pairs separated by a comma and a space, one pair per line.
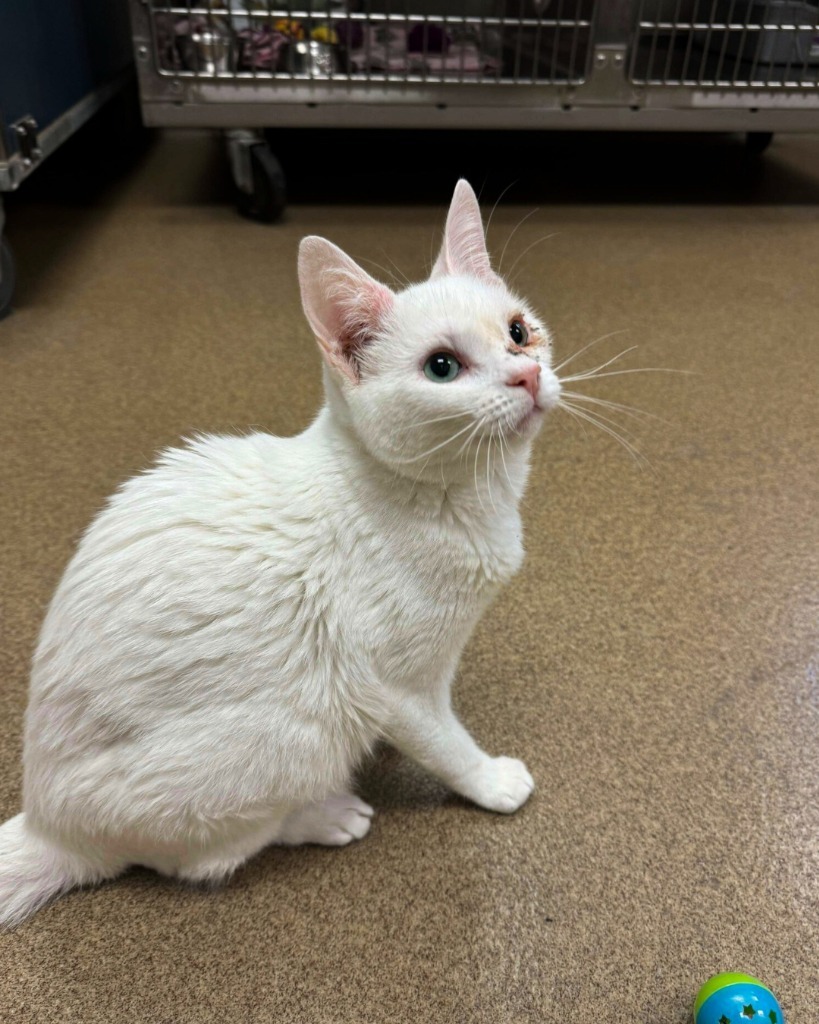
531, 421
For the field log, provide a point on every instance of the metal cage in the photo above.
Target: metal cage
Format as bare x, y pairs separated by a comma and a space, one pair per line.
246, 65
726, 44
497, 42
274, 62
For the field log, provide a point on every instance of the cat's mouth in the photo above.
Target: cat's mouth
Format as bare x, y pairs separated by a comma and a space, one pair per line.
530, 418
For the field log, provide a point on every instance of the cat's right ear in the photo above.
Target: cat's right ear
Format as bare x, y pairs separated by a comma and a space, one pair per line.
343, 304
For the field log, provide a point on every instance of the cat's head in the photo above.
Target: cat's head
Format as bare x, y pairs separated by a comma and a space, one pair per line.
423, 375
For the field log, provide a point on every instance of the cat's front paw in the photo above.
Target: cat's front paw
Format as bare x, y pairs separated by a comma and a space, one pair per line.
501, 784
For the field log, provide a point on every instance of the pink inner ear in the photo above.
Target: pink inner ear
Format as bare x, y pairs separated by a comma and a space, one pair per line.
345, 306
464, 247
363, 306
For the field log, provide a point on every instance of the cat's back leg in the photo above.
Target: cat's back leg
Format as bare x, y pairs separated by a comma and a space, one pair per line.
334, 821
219, 859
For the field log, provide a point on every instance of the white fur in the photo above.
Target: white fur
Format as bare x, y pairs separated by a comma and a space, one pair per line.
245, 619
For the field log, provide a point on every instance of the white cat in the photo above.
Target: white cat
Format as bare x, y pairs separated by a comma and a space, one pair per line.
245, 619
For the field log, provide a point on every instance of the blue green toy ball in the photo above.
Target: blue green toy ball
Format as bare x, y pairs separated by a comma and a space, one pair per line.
736, 999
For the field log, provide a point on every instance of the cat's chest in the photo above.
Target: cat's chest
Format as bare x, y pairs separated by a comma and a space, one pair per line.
420, 587
449, 555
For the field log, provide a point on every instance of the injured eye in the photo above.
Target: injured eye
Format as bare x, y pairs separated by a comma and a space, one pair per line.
442, 367
518, 332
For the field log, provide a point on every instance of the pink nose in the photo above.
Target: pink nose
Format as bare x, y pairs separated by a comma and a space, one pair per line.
527, 377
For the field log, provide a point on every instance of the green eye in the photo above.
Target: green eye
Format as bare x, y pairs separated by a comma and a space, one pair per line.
442, 367
518, 332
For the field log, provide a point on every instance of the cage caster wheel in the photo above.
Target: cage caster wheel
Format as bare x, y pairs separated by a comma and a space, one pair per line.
7, 277
258, 177
757, 142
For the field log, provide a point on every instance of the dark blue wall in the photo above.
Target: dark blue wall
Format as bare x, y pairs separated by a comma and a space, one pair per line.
54, 52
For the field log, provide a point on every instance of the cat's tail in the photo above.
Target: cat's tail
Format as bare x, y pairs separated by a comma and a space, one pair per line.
34, 870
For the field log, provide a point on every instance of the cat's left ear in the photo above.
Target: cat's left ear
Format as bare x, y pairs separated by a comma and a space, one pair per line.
464, 247
344, 305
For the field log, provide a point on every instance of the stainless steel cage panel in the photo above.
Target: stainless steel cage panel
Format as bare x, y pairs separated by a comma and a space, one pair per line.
497, 42
730, 44
747, 65
247, 65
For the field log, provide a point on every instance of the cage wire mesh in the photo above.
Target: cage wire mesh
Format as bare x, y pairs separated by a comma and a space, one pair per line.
726, 44
481, 41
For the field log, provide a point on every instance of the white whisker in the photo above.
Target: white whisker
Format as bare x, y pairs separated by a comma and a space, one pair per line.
537, 241
470, 438
627, 410
399, 271
477, 489
489, 469
438, 419
384, 270
603, 337
492, 212
463, 452
432, 257
591, 373
635, 453
503, 460
522, 221
443, 444
618, 373
606, 419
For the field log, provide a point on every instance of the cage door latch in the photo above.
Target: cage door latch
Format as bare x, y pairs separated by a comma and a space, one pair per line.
25, 131
608, 84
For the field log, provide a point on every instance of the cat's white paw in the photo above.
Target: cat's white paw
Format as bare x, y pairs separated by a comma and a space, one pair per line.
335, 822
501, 784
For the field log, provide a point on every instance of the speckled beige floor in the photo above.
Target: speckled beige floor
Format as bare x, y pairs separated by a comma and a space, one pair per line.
664, 687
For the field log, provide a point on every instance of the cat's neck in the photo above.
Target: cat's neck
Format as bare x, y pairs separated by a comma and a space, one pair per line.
487, 487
